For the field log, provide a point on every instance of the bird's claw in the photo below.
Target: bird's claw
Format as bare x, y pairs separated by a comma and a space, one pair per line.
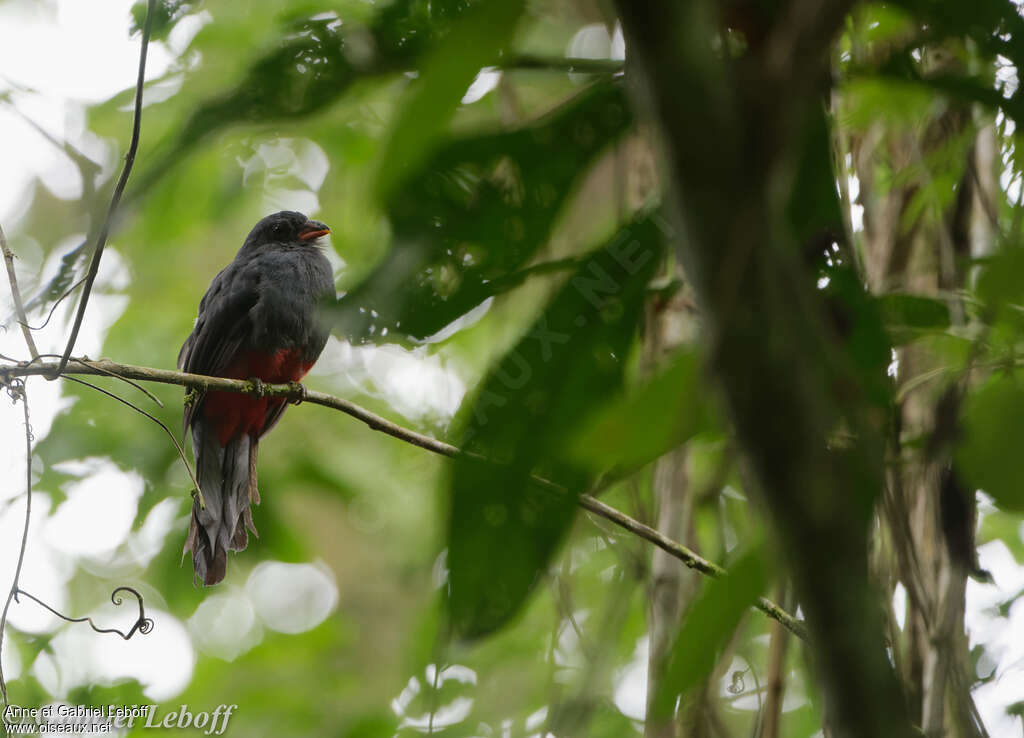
299, 389
257, 386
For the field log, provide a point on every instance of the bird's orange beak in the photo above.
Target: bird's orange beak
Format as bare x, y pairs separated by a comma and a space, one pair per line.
312, 230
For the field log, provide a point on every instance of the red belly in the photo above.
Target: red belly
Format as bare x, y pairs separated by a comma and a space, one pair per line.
233, 414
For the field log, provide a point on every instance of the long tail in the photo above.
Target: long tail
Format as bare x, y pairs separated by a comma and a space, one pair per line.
227, 476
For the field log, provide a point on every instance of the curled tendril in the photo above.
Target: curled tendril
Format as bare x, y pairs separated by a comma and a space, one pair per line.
142, 624
15, 387
737, 686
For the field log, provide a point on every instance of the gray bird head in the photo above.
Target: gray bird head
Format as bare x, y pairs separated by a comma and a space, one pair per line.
286, 227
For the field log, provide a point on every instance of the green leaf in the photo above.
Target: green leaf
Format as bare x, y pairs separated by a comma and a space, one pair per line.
999, 525
1002, 278
707, 628
307, 70
989, 455
975, 20
643, 424
502, 529
907, 317
914, 311
479, 38
475, 216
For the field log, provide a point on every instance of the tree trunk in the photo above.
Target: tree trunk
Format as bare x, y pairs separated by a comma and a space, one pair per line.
730, 130
926, 251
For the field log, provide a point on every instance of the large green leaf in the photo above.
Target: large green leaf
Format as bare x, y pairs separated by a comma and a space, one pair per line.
707, 628
910, 316
476, 215
502, 529
640, 426
480, 36
975, 20
951, 23
993, 436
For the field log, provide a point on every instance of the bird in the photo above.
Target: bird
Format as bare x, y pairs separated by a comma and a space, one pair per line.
261, 319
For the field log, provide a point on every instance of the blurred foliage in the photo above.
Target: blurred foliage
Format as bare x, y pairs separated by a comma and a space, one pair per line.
992, 433
468, 226
487, 242
611, 439
707, 628
502, 529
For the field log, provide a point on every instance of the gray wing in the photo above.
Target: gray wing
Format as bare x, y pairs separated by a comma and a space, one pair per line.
223, 326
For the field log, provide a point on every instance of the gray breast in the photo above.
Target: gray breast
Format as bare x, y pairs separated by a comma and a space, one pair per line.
293, 283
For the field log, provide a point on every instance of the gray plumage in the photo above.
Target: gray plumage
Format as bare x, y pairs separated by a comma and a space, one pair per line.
261, 318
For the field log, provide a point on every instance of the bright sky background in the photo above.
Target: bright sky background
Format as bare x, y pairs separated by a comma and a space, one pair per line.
92, 528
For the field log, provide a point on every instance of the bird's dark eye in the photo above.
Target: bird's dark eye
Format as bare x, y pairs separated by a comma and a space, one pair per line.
279, 229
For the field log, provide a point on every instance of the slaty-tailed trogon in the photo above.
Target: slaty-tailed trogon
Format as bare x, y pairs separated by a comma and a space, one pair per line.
260, 319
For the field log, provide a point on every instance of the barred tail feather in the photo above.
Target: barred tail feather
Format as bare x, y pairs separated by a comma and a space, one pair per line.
227, 476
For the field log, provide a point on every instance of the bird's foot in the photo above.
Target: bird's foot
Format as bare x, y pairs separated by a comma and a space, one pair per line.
299, 390
258, 388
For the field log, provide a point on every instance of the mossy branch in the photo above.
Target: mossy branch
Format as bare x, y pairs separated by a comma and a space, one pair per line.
297, 393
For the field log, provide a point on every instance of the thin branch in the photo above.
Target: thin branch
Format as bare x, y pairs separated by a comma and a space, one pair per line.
115, 200
776, 686
296, 393
132, 383
433, 697
19, 307
16, 390
53, 307
136, 408
514, 279
61, 280
142, 624
577, 65
690, 558
99, 370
